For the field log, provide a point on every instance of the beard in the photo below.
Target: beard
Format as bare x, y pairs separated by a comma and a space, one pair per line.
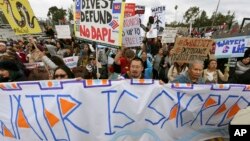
135, 75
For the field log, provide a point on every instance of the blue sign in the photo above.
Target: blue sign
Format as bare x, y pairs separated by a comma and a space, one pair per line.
117, 7
78, 5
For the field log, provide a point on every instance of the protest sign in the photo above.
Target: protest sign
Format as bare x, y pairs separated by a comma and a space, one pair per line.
131, 32
130, 110
34, 65
190, 49
159, 14
140, 10
100, 21
129, 10
248, 41
152, 33
71, 62
20, 16
230, 47
63, 31
168, 35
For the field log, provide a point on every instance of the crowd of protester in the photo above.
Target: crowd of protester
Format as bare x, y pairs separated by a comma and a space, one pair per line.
150, 61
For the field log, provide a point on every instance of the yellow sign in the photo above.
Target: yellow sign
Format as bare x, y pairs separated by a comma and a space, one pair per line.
20, 16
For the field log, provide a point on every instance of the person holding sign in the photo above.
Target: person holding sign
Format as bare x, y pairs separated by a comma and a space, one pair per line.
212, 74
193, 75
123, 60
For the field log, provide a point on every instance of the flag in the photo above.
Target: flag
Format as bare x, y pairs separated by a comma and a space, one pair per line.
114, 24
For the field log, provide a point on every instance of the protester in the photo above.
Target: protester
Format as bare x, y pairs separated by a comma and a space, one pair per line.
244, 78
242, 65
123, 60
21, 54
156, 63
63, 72
61, 51
9, 72
214, 75
92, 67
33, 55
193, 75
103, 60
136, 69
176, 69
147, 65
3, 48
165, 65
84, 55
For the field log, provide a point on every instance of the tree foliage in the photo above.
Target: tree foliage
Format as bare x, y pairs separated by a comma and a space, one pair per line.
70, 14
202, 20
56, 14
191, 13
220, 19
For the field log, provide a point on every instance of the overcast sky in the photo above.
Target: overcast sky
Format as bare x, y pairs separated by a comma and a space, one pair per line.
240, 7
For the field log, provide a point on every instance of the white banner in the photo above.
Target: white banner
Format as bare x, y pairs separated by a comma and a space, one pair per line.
100, 21
63, 32
71, 62
131, 32
168, 35
128, 110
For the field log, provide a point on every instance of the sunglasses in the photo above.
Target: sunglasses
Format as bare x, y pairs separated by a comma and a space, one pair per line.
60, 75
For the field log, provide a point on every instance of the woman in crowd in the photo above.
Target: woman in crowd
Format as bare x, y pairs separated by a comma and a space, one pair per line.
61, 51
213, 75
156, 63
91, 69
242, 65
176, 69
165, 64
33, 55
63, 72
10, 72
84, 55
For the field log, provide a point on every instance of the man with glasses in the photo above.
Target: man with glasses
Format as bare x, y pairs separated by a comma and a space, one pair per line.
135, 70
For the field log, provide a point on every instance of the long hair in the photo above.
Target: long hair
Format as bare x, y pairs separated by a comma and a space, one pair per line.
57, 60
180, 68
67, 70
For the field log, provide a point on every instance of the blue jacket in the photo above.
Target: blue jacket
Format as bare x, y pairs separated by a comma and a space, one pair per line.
184, 78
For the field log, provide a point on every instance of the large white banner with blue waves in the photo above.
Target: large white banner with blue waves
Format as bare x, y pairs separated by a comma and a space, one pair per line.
127, 110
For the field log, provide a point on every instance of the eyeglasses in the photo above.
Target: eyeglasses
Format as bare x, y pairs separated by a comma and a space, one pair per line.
60, 75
